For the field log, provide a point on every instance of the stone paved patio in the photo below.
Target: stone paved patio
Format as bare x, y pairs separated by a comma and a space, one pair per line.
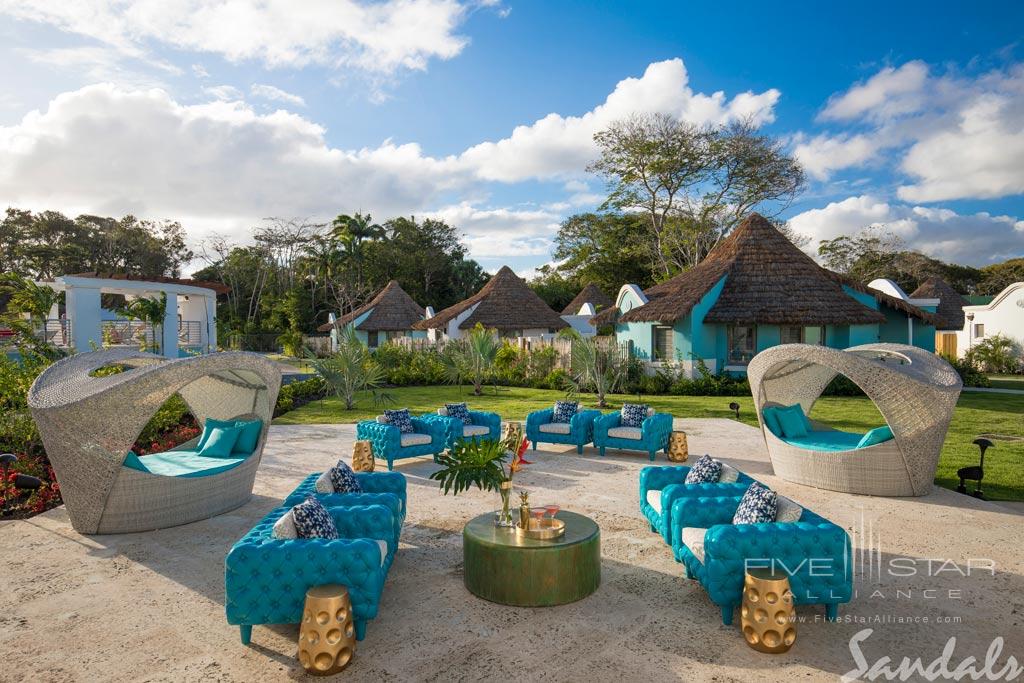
150, 606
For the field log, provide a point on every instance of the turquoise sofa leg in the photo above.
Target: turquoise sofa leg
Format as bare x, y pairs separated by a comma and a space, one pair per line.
391, 465
534, 445
579, 449
360, 629
832, 611
651, 456
727, 614
246, 631
602, 451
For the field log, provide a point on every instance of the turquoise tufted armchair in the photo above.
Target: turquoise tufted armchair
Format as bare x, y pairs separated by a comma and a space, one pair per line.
579, 432
660, 487
651, 436
266, 579
379, 488
813, 552
486, 426
386, 439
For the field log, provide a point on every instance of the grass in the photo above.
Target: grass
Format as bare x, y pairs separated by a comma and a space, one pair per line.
1007, 381
976, 413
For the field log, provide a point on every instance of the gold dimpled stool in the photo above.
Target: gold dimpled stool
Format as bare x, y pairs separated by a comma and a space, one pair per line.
327, 637
767, 612
362, 456
678, 451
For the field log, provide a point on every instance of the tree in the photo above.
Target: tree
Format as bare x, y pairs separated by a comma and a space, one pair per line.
596, 367
692, 183
997, 353
151, 311
351, 370
554, 287
997, 277
608, 249
472, 358
35, 301
353, 231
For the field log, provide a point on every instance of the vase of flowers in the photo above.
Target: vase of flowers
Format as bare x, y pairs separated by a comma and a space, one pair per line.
486, 464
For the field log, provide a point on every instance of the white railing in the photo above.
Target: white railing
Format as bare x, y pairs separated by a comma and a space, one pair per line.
120, 333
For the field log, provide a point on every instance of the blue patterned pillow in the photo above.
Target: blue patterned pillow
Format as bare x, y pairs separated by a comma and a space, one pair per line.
564, 410
459, 411
706, 470
758, 505
343, 479
633, 414
313, 521
401, 419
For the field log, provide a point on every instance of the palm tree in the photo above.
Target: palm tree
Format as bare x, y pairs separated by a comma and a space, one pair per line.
472, 358
352, 231
30, 298
596, 367
150, 311
351, 370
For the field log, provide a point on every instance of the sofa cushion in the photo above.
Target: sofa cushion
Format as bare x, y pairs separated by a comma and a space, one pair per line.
632, 415
792, 421
729, 474
248, 437
459, 411
323, 483
555, 428
875, 436
180, 464
284, 528
415, 439
401, 419
693, 538
654, 499
564, 410
787, 511
771, 420
343, 479
634, 433
208, 426
313, 521
220, 442
757, 506
833, 440
475, 430
706, 470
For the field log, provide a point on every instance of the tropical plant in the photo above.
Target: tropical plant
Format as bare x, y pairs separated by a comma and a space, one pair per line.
34, 300
351, 370
291, 342
477, 463
150, 311
997, 353
595, 367
471, 358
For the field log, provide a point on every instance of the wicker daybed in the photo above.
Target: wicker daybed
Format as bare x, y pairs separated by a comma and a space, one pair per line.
89, 423
913, 389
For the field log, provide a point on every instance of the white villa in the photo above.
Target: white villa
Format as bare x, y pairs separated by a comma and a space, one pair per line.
1003, 315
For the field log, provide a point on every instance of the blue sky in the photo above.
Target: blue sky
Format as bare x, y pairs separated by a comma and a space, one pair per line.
217, 113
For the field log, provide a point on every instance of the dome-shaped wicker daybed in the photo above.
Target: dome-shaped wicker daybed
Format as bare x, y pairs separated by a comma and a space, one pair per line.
913, 389
89, 423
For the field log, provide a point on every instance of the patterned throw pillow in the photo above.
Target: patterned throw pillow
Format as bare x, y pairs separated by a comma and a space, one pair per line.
564, 410
313, 521
757, 506
459, 411
633, 414
706, 470
343, 479
401, 419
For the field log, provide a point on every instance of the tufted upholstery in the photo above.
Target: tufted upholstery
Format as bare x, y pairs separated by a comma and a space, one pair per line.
581, 428
387, 444
669, 481
379, 488
813, 552
266, 579
655, 432
455, 430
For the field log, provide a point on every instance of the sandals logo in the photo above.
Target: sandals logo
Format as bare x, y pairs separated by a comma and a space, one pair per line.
942, 667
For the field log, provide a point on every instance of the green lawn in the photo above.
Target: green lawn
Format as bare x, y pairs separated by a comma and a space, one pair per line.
1007, 381
976, 413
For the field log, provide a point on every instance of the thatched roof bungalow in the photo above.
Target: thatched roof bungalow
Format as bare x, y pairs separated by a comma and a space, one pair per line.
505, 304
949, 315
591, 294
757, 289
388, 315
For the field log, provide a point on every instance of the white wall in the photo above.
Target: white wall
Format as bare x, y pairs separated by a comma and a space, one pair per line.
1004, 315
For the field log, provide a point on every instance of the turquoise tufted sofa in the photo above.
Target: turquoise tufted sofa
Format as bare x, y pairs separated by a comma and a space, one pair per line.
655, 431
670, 481
813, 552
455, 429
580, 433
386, 440
379, 488
266, 579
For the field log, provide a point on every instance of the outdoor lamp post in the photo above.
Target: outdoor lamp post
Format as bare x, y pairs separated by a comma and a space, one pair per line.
735, 407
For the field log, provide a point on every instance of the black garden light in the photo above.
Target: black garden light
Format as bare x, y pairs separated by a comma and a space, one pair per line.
21, 481
977, 472
735, 407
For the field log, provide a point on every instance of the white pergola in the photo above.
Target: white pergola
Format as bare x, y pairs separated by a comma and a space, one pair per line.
188, 302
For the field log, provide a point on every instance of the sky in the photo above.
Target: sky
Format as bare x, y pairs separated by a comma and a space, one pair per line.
219, 113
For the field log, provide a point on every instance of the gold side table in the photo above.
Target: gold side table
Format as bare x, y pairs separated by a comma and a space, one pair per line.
362, 456
327, 637
678, 451
767, 611
512, 435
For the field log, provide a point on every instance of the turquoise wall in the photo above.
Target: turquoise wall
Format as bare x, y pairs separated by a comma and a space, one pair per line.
640, 334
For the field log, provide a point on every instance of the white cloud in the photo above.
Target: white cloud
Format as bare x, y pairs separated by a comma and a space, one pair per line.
888, 93
225, 93
376, 37
501, 232
269, 92
823, 154
974, 239
100, 63
199, 71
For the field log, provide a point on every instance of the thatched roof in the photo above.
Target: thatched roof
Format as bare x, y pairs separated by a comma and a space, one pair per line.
591, 294
950, 313
392, 310
504, 303
768, 280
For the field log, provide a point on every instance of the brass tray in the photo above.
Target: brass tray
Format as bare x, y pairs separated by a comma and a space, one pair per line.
542, 530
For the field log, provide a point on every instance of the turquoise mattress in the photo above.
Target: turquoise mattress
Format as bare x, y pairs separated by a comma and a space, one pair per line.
827, 441
182, 463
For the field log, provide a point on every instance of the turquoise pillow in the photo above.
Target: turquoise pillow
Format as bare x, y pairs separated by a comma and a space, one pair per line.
772, 420
875, 436
792, 421
220, 442
248, 437
208, 426
132, 461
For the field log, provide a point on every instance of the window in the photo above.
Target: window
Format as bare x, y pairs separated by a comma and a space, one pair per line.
790, 334
371, 339
742, 344
664, 347
979, 330
814, 335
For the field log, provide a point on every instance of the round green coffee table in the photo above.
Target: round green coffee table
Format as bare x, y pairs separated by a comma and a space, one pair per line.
502, 567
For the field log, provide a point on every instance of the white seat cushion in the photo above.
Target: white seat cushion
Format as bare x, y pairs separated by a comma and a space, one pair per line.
555, 428
728, 475
475, 430
787, 511
381, 420
415, 439
383, 551
634, 433
284, 528
693, 538
654, 499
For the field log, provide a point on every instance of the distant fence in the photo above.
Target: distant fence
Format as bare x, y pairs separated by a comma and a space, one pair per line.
562, 347
260, 343
320, 345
